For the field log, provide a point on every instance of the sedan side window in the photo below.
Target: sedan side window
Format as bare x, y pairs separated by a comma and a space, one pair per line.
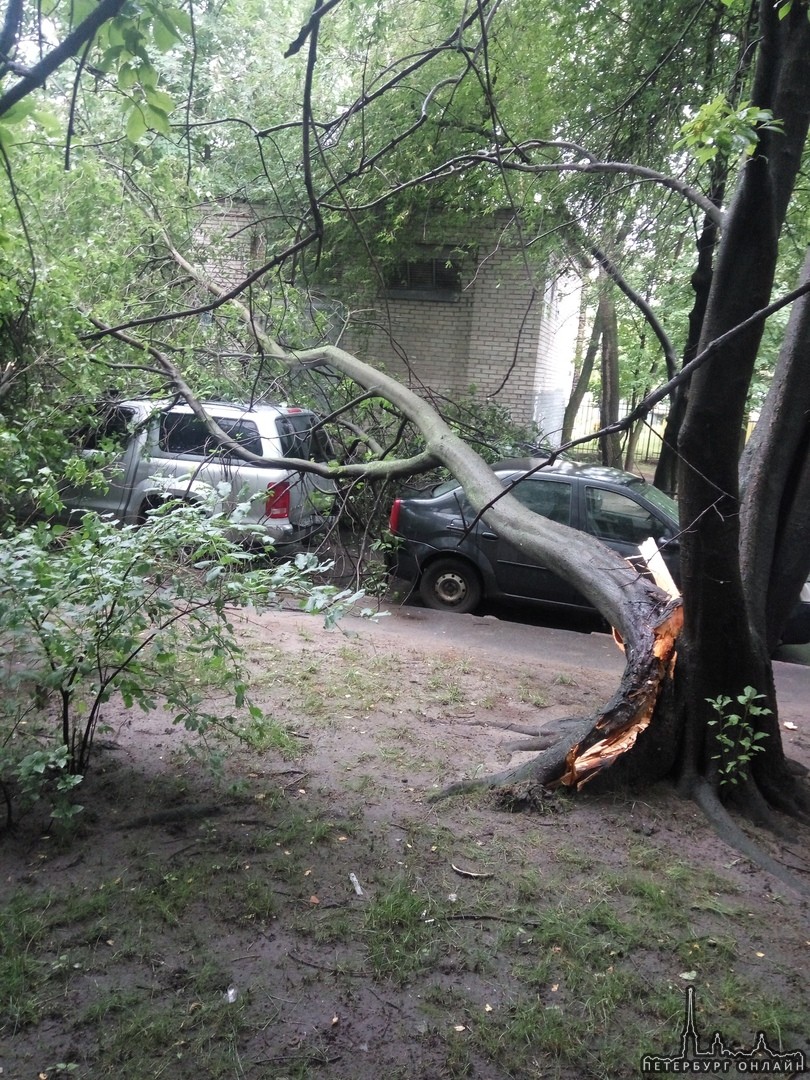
550, 498
613, 516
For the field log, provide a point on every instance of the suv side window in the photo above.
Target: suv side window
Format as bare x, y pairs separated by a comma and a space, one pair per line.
613, 516
550, 498
114, 425
184, 434
299, 440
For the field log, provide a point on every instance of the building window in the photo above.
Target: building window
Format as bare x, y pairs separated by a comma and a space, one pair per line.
437, 279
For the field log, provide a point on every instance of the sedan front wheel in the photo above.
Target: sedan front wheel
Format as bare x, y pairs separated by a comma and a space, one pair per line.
451, 585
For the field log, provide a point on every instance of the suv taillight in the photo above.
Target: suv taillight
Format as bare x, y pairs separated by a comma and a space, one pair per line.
277, 504
393, 519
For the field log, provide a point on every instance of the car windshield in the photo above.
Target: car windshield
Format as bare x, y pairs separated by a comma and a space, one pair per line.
658, 498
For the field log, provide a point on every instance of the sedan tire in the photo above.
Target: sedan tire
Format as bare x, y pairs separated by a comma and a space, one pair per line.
451, 585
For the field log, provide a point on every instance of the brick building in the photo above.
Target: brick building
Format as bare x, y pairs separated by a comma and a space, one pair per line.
473, 313
459, 312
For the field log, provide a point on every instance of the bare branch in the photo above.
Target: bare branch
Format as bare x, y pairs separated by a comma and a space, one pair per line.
517, 158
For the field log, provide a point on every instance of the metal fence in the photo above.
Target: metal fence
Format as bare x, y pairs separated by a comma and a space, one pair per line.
648, 446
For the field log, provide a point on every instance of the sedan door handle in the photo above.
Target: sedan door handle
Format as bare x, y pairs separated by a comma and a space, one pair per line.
488, 536
457, 527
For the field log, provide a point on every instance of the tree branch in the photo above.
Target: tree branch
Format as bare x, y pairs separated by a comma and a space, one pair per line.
517, 158
373, 469
636, 298
310, 26
85, 31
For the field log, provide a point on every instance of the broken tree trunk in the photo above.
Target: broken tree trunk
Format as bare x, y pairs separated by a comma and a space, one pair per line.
588, 747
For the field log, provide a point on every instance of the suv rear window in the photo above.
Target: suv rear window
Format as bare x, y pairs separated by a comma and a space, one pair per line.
185, 434
301, 439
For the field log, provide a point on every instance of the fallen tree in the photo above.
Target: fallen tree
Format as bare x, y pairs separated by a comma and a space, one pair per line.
737, 589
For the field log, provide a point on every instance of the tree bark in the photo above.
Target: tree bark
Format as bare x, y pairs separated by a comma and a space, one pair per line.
724, 651
775, 472
581, 380
610, 445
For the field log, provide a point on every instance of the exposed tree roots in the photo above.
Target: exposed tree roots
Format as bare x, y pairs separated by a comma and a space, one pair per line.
620, 746
541, 772
528, 786
729, 831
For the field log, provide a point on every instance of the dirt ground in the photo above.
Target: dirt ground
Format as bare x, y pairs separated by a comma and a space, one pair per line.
298, 908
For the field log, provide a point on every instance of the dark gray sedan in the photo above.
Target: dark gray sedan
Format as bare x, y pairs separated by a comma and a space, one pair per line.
456, 564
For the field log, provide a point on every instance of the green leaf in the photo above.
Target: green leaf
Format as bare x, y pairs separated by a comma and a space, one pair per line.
164, 32
127, 77
136, 124
181, 19
19, 111
159, 99
48, 121
147, 77
157, 120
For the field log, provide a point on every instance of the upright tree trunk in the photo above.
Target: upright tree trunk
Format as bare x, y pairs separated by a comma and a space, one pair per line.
666, 472
775, 472
581, 379
610, 445
722, 653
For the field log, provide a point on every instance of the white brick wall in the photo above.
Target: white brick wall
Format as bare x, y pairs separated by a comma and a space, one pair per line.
502, 336
508, 334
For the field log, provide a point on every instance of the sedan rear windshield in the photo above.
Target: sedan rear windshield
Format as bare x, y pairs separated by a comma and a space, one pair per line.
444, 487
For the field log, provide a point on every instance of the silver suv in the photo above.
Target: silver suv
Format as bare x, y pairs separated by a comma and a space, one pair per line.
167, 452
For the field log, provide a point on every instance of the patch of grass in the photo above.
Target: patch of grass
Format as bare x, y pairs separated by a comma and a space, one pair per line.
564, 679
23, 939
109, 1004
252, 900
143, 1038
170, 893
401, 932
444, 692
530, 694
263, 733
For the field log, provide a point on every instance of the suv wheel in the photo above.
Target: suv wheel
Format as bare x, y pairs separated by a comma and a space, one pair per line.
451, 585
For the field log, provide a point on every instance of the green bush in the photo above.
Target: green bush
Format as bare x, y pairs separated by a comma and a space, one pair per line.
139, 612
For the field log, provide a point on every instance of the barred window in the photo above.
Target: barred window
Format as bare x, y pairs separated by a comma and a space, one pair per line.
436, 279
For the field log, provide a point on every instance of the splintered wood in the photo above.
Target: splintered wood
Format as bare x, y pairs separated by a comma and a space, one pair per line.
616, 731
